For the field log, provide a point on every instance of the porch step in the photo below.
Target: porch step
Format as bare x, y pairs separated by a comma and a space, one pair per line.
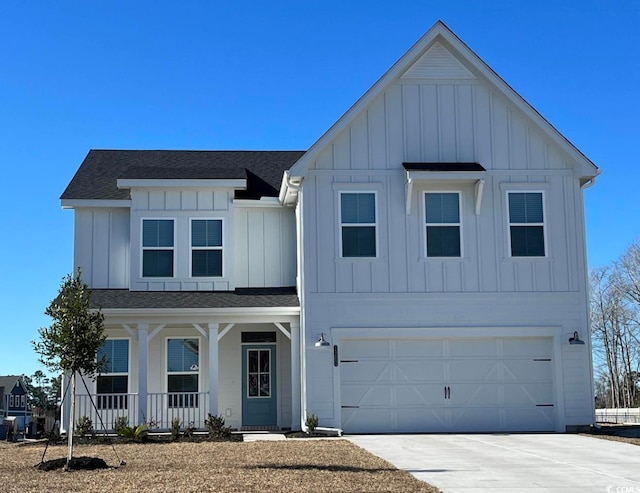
258, 437
259, 428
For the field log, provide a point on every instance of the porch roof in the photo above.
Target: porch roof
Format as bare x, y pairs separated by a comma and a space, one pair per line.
240, 298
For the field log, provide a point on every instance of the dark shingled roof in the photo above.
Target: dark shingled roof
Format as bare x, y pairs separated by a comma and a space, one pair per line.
443, 167
97, 175
240, 298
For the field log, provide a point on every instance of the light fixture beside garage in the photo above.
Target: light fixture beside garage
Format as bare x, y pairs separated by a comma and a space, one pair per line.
321, 342
575, 339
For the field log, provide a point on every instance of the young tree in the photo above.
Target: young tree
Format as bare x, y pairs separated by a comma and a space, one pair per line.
72, 341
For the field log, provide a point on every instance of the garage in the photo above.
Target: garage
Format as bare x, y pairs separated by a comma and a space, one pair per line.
446, 385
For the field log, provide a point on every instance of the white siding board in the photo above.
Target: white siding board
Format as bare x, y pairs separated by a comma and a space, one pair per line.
430, 138
325, 159
518, 142
172, 200
447, 123
360, 143
464, 123
344, 276
342, 151
256, 250
394, 126
326, 245
119, 248
397, 237
537, 150
482, 126
272, 245
156, 200
377, 135
101, 239
82, 247
221, 200
205, 200
241, 250
362, 278
189, 200
500, 133
412, 130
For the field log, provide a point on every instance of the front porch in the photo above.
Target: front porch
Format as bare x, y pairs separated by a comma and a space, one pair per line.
240, 363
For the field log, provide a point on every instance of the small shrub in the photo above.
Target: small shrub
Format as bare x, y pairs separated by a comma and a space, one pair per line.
189, 430
138, 433
120, 423
312, 423
175, 429
84, 426
215, 426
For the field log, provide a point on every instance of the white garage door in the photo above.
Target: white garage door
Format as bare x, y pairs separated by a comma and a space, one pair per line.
446, 385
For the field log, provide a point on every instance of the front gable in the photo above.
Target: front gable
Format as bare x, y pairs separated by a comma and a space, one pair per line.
441, 103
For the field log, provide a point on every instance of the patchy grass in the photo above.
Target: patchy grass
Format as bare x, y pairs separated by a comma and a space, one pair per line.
285, 466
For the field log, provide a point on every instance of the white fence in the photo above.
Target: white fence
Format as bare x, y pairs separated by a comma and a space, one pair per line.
190, 408
618, 416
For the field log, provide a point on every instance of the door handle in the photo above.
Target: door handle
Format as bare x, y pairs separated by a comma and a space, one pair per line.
447, 392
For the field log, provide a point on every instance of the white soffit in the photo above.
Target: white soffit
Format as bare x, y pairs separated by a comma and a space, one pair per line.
437, 63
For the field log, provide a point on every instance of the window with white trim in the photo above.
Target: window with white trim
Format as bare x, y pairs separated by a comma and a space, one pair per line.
206, 247
358, 224
23, 401
526, 224
183, 370
112, 384
11, 400
442, 220
157, 247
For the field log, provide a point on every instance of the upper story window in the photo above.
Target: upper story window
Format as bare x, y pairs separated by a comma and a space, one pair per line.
114, 375
526, 224
442, 218
206, 247
157, 247
358, 224
11, 400
183, 369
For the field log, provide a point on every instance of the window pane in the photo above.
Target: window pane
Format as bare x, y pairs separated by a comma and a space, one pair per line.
157, 263
116, 355
443, 241
525, 207
264, 361
182, 383
358, 208
182, 355
358, 241
206, 263
112, 384
157, 233
206, 232
527, 241
442, 208
253, 385
253, 361
265, 388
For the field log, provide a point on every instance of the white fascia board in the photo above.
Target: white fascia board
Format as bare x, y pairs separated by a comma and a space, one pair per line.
77, 203
238, 183
442, 33
252, 311
262, 203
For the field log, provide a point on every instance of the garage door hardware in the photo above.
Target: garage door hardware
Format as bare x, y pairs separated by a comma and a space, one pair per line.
447, 392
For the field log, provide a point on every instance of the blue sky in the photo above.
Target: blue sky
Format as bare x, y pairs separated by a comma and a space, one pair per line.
76, 75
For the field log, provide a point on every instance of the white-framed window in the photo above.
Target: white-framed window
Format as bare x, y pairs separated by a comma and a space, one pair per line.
23, 401
183, 371
259, 368
443, 226
11, 400
158, 247
526, 224
112, 384
358, 224
206, 247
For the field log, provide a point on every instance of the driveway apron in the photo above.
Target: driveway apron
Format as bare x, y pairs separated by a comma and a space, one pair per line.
512, 462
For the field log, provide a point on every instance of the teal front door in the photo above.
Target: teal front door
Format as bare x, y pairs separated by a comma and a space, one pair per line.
259, 385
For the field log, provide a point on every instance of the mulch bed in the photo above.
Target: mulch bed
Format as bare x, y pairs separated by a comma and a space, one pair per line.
75, 464
618, 433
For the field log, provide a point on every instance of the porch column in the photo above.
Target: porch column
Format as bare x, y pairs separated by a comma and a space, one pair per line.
143, 349
213, 369
295, 377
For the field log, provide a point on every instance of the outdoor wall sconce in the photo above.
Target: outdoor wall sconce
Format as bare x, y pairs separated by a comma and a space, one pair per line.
321, 341
575, 339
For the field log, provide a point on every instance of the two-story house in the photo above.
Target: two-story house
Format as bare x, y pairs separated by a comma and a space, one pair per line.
421, 267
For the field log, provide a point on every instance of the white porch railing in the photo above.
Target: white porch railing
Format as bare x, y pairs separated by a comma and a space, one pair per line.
618, 416
161, 409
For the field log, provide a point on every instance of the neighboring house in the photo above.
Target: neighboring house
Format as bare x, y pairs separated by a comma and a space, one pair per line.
14, 400
433, 238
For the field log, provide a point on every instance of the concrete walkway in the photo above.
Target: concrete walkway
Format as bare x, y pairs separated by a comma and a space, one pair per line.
262, 437
512, 463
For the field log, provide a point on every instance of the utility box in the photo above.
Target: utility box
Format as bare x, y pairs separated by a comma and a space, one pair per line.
10, 424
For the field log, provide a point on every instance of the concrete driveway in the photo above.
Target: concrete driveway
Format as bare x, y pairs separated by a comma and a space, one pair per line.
512, 463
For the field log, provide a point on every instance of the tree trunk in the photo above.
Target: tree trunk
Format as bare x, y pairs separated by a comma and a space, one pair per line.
72, 420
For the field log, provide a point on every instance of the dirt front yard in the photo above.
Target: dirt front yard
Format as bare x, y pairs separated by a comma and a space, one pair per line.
284, 466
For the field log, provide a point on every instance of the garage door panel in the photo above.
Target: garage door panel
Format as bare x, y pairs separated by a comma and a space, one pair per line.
428, 385
528, 369
470, 370
419, 348
366, 371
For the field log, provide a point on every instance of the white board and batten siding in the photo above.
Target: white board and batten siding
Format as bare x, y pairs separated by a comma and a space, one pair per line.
102, 246
442, 110
265, 246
